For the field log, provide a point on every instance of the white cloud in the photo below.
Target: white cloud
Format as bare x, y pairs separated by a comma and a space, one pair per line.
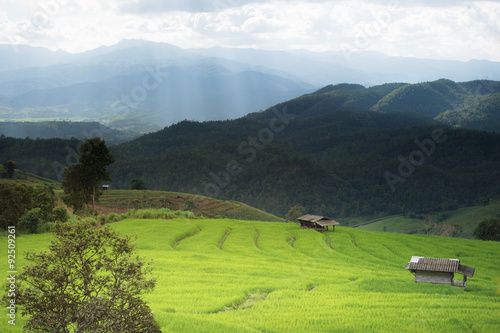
459, 30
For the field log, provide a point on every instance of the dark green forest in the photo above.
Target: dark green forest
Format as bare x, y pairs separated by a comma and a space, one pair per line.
329, 151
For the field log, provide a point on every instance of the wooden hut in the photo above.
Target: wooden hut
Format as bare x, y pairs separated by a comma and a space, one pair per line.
437, 270
318, 223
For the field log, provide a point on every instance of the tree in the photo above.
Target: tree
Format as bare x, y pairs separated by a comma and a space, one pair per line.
81, 181
10, 166
17, 199
77, 191
488, 229
138, 184
89, 281
295, 212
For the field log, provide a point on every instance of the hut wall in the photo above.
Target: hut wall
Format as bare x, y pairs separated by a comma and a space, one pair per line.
307, 225
433, 277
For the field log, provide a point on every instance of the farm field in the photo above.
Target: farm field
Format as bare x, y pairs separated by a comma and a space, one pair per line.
467, 218
247, 276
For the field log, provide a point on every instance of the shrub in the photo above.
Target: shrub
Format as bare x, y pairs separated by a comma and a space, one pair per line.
31, 220
113, 217
163, 213
190, 205
60, 214
45, 227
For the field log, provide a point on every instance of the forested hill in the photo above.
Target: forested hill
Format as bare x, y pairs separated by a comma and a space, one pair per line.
342, 164
471, 105
328, 151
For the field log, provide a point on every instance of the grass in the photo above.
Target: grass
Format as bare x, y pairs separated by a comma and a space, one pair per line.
398, 224
243, 276
467, 218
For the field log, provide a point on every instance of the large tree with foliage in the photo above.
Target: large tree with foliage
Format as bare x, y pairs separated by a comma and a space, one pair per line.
17, 199
488, 229
90, 280
81, 181
10, 166
295, 212
138, 184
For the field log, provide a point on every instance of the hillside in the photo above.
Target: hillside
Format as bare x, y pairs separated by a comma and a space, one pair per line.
333, 164
458, 222
23, 177
480, 113
471, 105
123, 200
243, 276
336, 165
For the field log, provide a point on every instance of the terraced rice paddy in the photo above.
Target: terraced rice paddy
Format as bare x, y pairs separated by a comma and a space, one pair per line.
242, 276
208, 207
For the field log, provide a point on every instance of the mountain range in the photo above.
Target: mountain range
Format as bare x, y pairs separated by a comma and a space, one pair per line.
143, 85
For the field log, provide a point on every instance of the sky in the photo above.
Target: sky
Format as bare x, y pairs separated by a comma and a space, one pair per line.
432, 29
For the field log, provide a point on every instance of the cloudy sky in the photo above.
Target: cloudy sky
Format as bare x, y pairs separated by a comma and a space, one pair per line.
436, 29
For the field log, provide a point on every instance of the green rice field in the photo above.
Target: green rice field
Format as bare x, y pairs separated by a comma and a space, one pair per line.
246, 276
467, 218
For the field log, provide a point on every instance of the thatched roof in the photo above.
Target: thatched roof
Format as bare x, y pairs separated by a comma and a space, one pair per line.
319, 220
439, 265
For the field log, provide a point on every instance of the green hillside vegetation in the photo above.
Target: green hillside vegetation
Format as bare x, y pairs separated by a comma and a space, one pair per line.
460, 222
480, 112
333, 165
244, 276
201, 206
429, 99
472, 105
122, 201
23, 177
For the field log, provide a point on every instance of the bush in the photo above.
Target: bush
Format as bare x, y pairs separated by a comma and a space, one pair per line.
163, 213
45, 227
113, 217
31, 220
89, 220
190, 205
60, 214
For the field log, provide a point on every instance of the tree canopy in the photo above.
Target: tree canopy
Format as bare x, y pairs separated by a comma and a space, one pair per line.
138, 184
90, 280
81, 181
17, 199
10, 166
488, 229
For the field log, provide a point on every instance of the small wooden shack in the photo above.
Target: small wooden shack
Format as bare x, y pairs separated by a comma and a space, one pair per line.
438, 270
105, 187
318, 223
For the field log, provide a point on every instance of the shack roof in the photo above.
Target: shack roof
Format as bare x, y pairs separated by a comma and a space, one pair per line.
439, 265
319, 220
